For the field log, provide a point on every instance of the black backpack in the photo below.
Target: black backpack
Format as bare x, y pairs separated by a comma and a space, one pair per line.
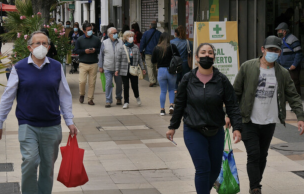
175, 64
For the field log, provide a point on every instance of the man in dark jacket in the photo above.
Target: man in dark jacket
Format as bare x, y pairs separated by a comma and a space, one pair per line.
263, 86
148, 43
292, 54
88, 47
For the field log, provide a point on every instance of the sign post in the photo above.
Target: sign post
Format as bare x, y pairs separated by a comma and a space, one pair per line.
224, 37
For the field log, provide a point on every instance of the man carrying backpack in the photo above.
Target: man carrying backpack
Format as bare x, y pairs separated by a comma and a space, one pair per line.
148, 43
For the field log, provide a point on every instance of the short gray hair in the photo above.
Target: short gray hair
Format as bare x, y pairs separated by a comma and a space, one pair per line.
30, 40
109, 30
126, 34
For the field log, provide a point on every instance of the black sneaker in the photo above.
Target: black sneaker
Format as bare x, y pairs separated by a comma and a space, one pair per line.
162, 113
255, 191
171, 109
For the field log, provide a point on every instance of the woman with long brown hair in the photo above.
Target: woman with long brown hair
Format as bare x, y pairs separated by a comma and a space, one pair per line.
162, 55
182, 45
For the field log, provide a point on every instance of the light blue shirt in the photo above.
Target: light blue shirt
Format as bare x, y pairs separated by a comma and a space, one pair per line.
65, 96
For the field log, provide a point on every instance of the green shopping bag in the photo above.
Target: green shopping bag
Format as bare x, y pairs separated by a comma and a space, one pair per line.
103, 81
228, 180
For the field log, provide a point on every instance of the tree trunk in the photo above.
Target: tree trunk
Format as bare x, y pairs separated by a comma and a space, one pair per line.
43, 6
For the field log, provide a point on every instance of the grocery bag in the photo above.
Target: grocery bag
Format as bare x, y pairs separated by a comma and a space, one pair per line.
72, 172
103, 81
228, 180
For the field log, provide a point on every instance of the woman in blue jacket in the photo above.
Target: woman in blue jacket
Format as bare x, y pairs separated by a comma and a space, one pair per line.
181, 43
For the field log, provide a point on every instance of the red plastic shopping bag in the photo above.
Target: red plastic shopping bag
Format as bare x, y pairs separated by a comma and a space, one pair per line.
72, 172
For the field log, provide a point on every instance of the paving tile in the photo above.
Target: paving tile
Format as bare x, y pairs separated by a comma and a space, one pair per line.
127, 177
159, 175
140, 191
116, 191
128, 142
156, 145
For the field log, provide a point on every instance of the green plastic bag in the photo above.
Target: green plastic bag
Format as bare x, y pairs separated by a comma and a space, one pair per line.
103, 81
228, 180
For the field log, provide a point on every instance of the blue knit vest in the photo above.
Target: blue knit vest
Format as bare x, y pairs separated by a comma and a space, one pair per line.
37, 95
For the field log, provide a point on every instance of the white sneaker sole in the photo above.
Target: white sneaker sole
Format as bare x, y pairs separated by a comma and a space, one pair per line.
171, 111
162, 114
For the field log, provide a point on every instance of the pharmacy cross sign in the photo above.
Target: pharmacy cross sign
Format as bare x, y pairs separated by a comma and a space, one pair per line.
217, 29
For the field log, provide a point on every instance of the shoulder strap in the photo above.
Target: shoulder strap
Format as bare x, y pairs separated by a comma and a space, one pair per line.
150, 39
127, 53
188, 47
172, 49
288, 45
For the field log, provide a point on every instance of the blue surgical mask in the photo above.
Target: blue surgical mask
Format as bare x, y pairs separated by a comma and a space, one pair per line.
271, 57
89, 33
67, 26
115, 36
75, 29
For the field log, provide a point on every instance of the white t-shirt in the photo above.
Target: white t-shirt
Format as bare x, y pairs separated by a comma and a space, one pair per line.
265, 107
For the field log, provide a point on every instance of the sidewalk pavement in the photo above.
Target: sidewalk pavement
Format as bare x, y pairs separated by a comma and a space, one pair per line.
126, 151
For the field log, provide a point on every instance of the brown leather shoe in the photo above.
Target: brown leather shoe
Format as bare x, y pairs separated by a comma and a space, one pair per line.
118, 102
108, 105
152, 84
91, 102
81, 99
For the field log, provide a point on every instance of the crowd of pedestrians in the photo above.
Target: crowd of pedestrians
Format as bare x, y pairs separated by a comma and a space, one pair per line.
196, 94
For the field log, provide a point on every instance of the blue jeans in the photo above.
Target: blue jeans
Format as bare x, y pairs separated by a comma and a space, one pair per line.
109, 86
39, 147
180, 75
167, 83
206, 154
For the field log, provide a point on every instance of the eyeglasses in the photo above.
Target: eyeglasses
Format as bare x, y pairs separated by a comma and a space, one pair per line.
114, 33
45, 44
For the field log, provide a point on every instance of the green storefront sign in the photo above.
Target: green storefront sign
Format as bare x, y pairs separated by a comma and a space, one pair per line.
214, 14
72, 6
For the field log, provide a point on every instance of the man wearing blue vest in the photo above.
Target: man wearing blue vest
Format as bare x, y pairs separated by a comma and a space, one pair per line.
42, 94
291, 56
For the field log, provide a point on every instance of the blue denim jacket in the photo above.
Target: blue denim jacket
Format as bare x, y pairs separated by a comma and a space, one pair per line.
181, 45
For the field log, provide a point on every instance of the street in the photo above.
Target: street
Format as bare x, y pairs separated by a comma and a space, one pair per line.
126, 151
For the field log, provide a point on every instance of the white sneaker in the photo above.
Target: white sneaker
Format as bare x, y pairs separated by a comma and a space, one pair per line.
125, 106
138, 101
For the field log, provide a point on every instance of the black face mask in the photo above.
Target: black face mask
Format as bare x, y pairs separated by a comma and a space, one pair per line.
280, 35
206, 62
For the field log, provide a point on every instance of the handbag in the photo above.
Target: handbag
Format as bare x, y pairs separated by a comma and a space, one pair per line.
175, 63
133, 69
228, 180
189, 56
72, 172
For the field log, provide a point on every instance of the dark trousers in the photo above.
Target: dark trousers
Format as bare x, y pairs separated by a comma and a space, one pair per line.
126, 86
206, 154
295, 76
257, 140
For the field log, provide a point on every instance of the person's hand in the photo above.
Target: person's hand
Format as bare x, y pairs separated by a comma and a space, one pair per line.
144, 72
1, 134
93, 50
87, 51
228, 124
237, 137
292, 67
73, 130
100, 69
300, 127
170, 134
116, 73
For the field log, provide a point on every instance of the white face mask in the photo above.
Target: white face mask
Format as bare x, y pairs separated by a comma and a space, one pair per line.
40, 52
131, 39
